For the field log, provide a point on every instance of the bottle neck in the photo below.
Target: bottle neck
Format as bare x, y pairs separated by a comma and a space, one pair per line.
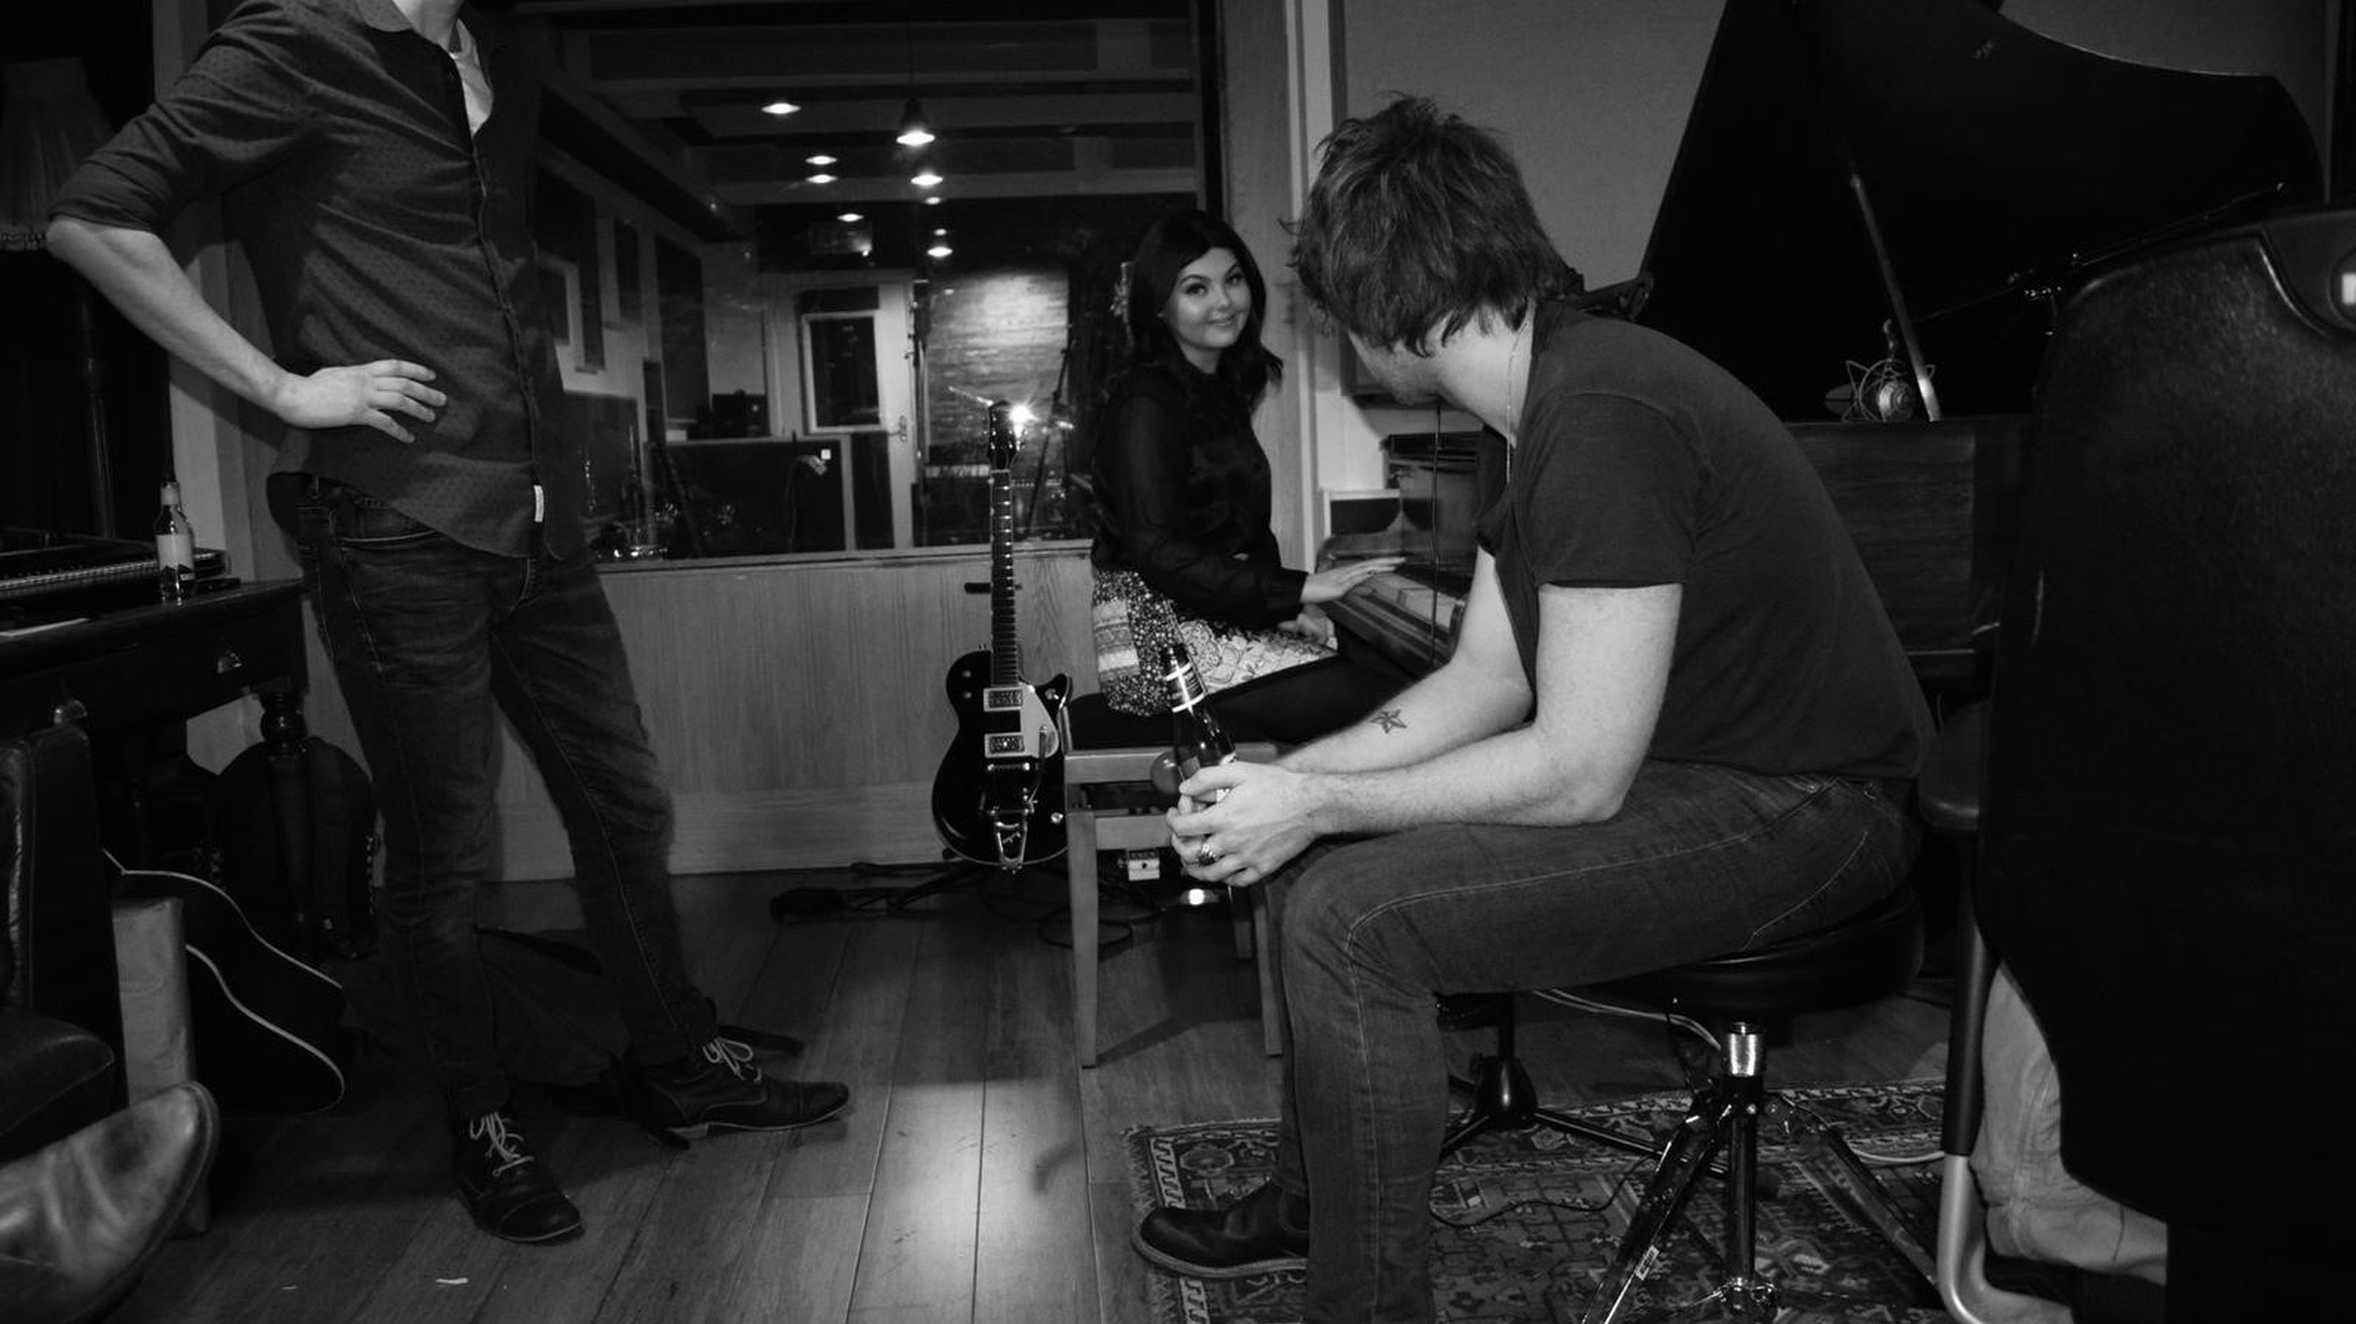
1186, 687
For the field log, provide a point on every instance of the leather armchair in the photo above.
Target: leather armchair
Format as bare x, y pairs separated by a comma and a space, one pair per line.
60, 1006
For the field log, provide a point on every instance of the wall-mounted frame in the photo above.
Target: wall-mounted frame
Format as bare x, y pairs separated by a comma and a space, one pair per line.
840, 388
564, 293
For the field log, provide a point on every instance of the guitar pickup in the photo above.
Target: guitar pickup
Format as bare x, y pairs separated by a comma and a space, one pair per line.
1008, 745
1002, 698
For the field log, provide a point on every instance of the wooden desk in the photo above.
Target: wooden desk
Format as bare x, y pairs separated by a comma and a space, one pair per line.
130, 676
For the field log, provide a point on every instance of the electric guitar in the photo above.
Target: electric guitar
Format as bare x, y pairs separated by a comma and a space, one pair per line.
998, 797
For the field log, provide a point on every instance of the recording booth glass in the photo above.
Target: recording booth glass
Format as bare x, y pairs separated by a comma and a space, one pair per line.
757, 495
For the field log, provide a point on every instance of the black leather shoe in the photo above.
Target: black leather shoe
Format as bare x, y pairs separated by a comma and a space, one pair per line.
720, 1087
506, 1189
81, 1217
1260, 1233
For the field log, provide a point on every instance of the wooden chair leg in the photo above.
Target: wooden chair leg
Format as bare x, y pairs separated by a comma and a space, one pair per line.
1271, 1012
1080, 874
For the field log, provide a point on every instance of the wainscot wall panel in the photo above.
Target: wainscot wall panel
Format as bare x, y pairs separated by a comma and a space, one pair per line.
799, 707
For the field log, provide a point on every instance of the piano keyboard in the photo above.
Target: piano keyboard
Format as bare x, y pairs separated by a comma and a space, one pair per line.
1408, 615
37, 564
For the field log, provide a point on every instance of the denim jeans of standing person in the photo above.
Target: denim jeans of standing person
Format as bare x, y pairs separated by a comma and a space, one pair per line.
430, 640
1699, 862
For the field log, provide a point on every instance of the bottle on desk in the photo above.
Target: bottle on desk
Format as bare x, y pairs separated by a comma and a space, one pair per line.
175, 548
1197, 741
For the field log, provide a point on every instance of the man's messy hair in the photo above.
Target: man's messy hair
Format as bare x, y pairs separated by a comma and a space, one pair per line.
1420, 219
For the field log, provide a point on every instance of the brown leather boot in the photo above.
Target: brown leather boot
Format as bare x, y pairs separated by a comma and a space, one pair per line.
80, 1218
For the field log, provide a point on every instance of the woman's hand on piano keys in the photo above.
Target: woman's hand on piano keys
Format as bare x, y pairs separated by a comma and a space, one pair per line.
1260, 820
1311, 624
1326, 585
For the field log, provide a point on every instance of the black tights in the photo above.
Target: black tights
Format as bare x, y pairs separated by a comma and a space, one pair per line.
1302, 703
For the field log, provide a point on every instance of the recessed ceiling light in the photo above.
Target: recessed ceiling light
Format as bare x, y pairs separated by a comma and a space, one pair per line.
939, 250
780, 107
822, 159
822, 178
941, 230
850, 218
932, 202
924, 179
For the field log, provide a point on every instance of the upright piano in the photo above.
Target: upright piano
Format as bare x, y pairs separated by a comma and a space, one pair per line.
1918, 179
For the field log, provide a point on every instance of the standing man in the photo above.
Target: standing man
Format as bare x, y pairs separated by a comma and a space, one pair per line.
375, 157
1676, 723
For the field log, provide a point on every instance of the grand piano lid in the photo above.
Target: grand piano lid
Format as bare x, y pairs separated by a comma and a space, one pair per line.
2000, 164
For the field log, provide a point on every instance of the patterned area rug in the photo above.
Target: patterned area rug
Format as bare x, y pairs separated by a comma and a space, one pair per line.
1529, 1221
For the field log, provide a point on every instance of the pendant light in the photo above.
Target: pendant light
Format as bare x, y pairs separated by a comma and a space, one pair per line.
913, 131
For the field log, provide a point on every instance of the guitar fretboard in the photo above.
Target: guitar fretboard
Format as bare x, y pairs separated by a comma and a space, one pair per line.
1006, 649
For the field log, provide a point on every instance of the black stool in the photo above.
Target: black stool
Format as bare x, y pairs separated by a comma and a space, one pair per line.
1743, 997
1862, 959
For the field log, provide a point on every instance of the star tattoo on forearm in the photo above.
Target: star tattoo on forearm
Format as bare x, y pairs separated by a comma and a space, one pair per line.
1389, 720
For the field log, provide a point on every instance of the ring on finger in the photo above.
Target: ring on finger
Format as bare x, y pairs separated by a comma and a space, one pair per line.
1206, 857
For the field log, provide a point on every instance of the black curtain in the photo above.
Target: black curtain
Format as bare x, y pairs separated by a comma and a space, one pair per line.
45, 467
2342, 152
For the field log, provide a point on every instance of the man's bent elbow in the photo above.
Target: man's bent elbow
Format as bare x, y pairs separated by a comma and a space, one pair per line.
72, 239
1579, 801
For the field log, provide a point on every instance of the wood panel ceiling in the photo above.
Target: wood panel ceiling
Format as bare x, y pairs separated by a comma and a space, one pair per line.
1044, 99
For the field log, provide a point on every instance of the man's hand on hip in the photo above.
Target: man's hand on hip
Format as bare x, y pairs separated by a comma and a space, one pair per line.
369, 394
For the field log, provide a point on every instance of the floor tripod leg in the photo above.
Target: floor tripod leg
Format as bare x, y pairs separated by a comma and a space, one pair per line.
1688, 1153
1862, 1192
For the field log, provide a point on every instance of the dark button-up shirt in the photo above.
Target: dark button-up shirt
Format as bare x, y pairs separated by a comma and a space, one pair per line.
1184, 497
376, 227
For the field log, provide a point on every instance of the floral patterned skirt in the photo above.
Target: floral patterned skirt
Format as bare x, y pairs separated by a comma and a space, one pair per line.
1134, 624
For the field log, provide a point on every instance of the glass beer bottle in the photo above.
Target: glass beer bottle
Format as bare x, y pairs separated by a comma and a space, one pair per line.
175, 547
1197, 741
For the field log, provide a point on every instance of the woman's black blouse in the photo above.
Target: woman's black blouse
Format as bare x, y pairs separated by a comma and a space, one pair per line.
1183, 498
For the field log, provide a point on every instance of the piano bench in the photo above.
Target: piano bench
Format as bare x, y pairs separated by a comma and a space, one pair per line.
1111, 803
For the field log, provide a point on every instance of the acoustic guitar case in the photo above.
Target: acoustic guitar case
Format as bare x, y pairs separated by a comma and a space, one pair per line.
267, 1027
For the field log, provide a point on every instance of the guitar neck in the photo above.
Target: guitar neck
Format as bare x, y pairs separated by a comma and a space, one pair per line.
1006, 649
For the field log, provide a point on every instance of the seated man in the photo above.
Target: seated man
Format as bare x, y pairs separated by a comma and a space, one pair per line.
1677, 722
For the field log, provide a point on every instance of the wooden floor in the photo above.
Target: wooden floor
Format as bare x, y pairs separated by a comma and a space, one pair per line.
978, 1174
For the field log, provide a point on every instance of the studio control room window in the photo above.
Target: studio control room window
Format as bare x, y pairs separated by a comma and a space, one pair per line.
838, 299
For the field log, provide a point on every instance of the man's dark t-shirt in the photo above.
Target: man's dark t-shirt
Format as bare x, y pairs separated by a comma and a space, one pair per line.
1642, 463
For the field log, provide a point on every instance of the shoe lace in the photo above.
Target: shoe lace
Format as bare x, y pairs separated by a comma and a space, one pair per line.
734, 1054
499, 1136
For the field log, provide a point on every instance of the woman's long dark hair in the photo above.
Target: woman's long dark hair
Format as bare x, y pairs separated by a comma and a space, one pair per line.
1171, 243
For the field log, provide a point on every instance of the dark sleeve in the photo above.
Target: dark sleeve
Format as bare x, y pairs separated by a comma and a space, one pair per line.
1613, 492
238, 108
1143, 470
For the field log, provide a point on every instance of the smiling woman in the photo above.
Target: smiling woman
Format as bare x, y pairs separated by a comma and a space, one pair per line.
1185, 550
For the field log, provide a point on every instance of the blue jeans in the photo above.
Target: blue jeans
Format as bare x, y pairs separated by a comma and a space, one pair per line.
1699, 862
430, 640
